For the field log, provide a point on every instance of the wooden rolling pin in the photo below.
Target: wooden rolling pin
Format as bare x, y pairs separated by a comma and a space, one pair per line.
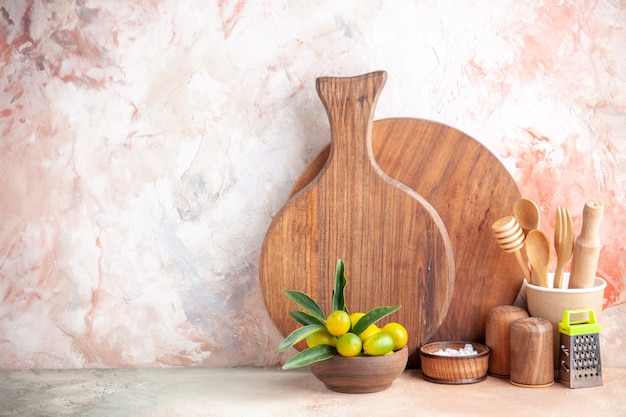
587, 247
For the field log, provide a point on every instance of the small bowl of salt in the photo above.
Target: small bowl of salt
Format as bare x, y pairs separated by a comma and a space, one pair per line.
454, 362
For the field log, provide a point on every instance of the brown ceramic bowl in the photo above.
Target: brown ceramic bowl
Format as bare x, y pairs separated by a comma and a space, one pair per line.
454, 369
361, 374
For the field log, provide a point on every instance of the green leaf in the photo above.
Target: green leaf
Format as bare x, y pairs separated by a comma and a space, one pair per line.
311, 355
298, 335
306, 303
304, 318
372, 317
339, 299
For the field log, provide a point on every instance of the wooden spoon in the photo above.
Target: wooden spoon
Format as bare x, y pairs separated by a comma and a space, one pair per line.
563, 243
527, 214
510, 237
538, 252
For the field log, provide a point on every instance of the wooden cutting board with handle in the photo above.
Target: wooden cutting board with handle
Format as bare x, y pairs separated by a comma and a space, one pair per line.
394, 244
470, 189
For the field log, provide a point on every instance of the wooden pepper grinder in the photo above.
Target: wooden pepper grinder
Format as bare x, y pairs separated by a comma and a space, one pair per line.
587, 247
498, 338
532, 359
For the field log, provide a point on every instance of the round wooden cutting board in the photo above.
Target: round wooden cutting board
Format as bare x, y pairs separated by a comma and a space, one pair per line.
470, 189
394, 244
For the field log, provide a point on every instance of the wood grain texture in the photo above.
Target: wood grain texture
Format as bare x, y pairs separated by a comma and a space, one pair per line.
361, 374
587, 247
532, 362
454, 369
470, 189
394, 244
498, 337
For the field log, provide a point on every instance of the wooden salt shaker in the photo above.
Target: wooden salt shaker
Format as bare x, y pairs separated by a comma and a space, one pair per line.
497, 337
587, 247
532, 359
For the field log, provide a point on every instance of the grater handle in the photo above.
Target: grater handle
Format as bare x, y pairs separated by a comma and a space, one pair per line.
567, 316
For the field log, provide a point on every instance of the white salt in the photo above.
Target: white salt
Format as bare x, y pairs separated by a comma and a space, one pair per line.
467, 350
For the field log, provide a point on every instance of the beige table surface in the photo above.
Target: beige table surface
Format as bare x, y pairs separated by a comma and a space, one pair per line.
271, 392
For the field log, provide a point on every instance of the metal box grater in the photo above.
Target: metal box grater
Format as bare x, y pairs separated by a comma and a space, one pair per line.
580, 365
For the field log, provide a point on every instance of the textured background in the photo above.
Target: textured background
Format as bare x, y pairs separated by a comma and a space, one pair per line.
145, 147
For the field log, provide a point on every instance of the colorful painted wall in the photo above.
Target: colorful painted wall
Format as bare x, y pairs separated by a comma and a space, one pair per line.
145, 147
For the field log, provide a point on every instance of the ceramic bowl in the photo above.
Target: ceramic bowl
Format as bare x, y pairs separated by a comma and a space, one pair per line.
453, 369
361, 374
